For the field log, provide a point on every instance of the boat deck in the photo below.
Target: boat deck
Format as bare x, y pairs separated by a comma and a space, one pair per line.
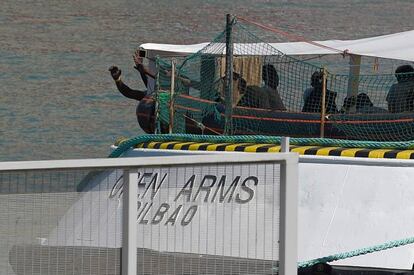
273, 148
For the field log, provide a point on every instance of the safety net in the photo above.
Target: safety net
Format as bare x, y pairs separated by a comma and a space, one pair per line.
265, 92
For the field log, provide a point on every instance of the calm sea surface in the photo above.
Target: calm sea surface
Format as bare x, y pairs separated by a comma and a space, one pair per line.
57, 99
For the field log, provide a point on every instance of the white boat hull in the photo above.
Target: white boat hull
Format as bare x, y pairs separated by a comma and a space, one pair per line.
344, 204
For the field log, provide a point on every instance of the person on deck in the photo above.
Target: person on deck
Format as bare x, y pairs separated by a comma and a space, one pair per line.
146, 107
313, 96
362, 104
123, 88
219, 87
266, 97
400, 97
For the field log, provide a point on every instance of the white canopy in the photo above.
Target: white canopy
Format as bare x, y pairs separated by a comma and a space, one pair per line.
392, 46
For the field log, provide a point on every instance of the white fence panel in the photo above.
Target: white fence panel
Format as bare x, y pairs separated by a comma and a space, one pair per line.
232, 214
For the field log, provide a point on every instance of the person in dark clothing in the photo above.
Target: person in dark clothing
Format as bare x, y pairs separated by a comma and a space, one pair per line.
270, 78
146, 107
266, 97
349, 102
313, 99
123, 88
362, 103
400, 97
145, 111
239, 87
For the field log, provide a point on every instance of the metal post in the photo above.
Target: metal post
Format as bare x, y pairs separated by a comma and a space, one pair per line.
157, 124
171, 124
228, 128
284, 145
354, 71
323, 107
353, 78
288, 255
129, 223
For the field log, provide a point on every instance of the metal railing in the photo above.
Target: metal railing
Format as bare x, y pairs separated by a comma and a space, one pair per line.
216, 214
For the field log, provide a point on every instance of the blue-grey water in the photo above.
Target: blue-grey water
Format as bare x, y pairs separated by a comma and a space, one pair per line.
57, 100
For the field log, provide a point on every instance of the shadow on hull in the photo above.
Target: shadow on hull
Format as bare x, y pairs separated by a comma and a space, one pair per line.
39, 259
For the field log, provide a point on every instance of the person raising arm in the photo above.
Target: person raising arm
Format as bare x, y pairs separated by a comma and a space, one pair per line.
143, 71
123, 88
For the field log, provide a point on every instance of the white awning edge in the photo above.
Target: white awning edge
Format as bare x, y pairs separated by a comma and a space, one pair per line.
399, 46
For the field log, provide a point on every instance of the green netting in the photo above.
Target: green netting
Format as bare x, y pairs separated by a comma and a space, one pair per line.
276, 94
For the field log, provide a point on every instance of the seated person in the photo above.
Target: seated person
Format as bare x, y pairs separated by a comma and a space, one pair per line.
219, 87
362, 103
306, 93
313, 100
255, 97
400, 97
239, 89
266, 97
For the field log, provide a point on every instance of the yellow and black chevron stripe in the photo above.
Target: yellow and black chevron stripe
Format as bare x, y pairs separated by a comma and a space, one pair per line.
272, 148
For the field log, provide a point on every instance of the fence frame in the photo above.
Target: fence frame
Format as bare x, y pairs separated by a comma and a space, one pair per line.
288, 194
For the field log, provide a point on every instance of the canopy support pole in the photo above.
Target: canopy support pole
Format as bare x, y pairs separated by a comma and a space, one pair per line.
171, 124
228, 127
353, 79
323, 105
157, 128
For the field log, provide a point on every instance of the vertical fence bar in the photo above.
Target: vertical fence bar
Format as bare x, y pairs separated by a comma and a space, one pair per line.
129, 223
288, 255
284, 145
228, 127
323, 105
171, 124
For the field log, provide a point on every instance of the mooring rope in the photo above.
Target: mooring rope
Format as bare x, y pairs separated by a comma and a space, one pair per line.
357, 252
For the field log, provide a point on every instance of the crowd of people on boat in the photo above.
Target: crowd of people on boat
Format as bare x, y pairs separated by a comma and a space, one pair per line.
400, 97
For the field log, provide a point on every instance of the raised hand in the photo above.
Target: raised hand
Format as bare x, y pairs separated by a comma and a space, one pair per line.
115, 72
137, 59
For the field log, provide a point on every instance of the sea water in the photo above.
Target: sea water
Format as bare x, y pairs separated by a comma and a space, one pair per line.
57, 99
